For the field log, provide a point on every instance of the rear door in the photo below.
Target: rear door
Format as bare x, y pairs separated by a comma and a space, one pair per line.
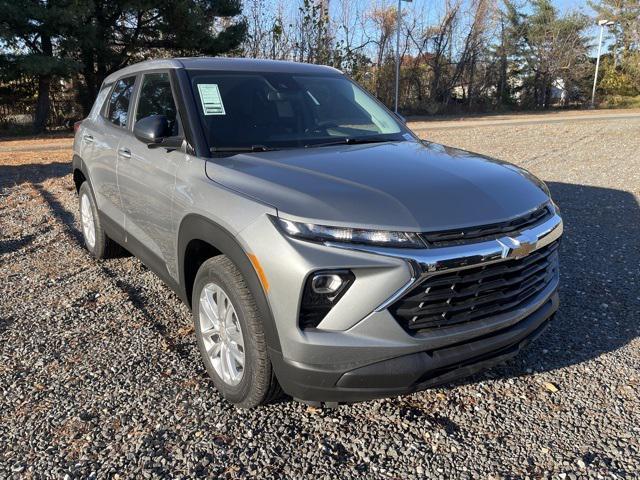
146, 177
105, 133
83, 141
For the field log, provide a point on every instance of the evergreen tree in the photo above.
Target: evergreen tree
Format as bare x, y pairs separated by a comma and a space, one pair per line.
622, 75
97, 37
548, 47
32, 32
113, 34
626, 28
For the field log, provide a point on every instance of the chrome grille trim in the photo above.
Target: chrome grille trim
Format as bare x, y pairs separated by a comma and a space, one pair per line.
429, 261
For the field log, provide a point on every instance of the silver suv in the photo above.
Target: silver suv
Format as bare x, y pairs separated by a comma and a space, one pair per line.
323, 248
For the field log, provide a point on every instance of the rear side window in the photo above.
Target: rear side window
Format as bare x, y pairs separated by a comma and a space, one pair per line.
118, 109
156, 99
102, 98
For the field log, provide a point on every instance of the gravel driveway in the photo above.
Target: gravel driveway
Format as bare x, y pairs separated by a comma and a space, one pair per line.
100, 374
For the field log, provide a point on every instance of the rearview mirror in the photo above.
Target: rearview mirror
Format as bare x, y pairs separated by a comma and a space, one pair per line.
152, 129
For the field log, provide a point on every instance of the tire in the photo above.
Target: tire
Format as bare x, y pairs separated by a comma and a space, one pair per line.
95, 240
219, 282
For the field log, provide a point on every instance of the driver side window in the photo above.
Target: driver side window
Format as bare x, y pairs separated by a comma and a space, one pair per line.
156, 98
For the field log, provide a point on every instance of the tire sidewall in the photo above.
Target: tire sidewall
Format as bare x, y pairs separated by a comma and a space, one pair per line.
98, 247
209, 272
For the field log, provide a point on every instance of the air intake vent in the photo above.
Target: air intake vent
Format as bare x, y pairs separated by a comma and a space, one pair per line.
450, 298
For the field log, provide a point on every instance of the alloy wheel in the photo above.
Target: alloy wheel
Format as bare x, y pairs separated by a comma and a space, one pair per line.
222, 334
88, 225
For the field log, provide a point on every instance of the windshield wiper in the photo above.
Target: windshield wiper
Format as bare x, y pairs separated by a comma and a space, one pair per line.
350, 141
243, 149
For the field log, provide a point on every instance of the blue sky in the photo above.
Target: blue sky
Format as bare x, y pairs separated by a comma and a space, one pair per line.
438, 5
563, 5
433, 9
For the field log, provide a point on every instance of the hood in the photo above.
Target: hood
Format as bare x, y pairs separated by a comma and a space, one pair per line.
406, 186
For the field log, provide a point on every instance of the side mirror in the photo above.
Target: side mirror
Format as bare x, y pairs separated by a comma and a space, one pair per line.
152, 129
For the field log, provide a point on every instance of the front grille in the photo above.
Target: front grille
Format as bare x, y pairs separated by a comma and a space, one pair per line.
450, 298
461, 236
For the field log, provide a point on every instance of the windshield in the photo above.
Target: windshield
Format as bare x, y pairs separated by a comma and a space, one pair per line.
280, 110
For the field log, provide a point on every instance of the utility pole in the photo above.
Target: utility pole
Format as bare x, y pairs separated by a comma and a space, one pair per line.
399, 21
602, 23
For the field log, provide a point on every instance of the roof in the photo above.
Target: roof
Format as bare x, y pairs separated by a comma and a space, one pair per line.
225, 64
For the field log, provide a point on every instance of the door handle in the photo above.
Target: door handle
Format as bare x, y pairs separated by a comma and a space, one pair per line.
88, 138
125, 153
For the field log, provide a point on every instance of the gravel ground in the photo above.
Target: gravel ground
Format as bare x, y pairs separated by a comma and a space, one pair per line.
100, 374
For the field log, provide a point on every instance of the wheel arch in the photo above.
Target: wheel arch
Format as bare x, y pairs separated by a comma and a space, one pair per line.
199, 238
80, 174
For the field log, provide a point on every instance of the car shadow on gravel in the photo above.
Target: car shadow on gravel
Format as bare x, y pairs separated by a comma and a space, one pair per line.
599, 278
62, 214
10, 246
134, 294
34, 173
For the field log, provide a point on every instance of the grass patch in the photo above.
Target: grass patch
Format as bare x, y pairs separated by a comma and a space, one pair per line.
620, 101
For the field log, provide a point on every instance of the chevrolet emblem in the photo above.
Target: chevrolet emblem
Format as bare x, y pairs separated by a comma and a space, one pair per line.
517, 247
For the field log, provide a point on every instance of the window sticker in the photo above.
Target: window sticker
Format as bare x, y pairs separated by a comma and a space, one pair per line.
211, 99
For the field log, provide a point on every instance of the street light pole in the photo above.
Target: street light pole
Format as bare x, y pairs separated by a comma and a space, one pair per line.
399, 20
602, 23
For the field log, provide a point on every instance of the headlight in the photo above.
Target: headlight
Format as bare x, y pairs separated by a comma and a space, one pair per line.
323, 233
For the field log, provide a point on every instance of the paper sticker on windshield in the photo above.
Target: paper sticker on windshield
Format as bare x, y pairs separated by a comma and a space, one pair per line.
211, 99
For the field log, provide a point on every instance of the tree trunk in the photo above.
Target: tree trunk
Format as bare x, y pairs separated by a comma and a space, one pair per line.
472, 78
88, 92
503, 94
44, 84
548, 94
43, 105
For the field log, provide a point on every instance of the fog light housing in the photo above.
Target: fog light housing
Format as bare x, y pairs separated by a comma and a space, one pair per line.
326, 283
321, 292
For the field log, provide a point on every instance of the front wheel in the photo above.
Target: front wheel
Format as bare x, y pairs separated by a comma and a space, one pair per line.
230, 336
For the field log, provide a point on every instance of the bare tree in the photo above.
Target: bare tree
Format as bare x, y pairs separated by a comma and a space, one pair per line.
470, 56
269, 30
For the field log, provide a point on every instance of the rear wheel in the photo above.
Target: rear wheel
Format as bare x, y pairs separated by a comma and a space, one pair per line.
96, 241
230, 335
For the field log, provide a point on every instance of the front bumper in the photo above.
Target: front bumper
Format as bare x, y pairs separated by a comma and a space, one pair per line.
416, 371
359, 351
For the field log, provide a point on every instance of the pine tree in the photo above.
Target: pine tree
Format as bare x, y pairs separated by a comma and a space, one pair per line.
32, 32
626, 28
623, 74
548, 47
113, 34
97, 37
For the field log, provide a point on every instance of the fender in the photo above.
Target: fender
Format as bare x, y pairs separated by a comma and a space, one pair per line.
197, 227
77, 163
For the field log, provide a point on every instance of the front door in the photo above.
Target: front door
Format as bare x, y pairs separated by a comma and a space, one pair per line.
146, 177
